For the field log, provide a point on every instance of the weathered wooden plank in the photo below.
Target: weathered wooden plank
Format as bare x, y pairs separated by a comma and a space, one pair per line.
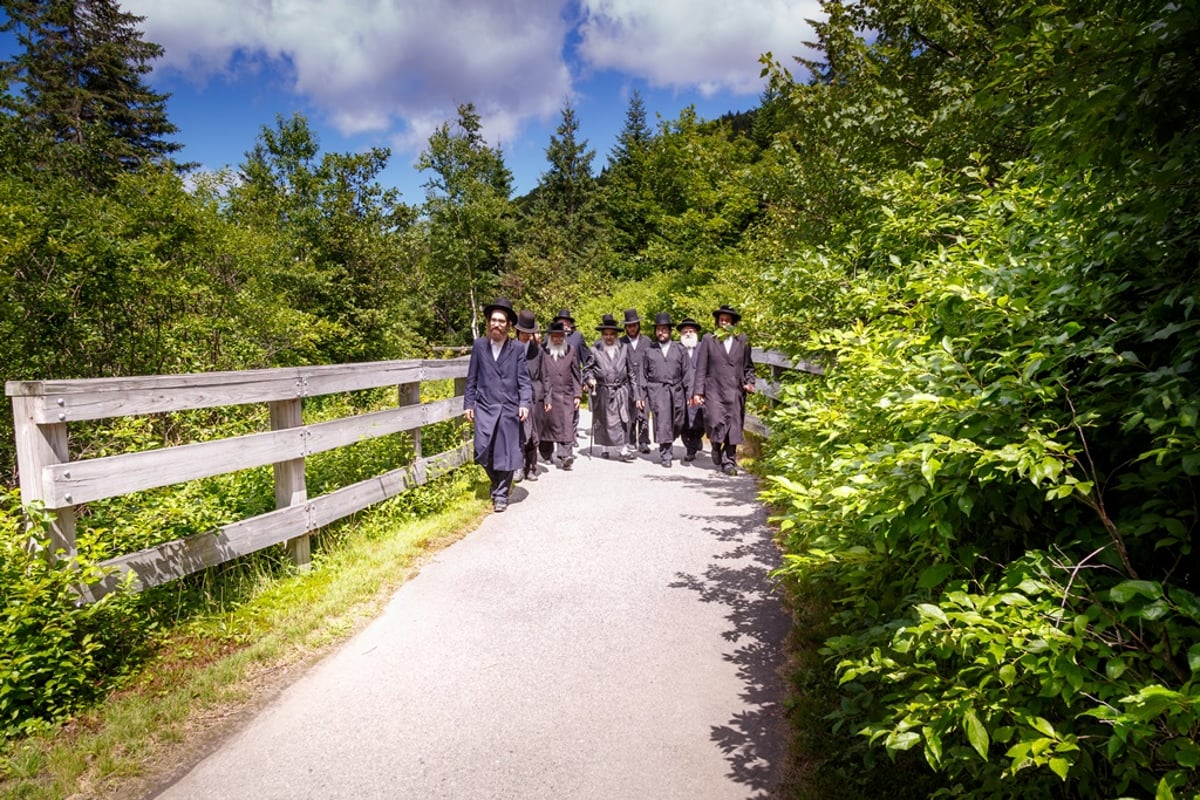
290, 486
756, 426
774, 358
39, 446
175, 559
100, 398
98, 478
95, 479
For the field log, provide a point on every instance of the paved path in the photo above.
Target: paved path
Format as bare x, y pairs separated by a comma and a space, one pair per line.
609, 637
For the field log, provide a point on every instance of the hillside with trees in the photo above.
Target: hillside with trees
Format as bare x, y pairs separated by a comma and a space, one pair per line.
983, 220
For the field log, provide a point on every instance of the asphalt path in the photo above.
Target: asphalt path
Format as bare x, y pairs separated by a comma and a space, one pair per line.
612, 635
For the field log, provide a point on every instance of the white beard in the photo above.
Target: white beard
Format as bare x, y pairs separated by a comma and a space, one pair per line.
557, 350
688, 339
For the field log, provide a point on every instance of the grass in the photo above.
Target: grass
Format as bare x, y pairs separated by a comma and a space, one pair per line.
215, 667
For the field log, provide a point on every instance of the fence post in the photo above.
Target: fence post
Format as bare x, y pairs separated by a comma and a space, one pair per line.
290, 486
38, 446
410, 395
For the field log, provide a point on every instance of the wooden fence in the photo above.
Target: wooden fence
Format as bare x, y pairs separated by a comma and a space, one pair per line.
778, 364
42, 410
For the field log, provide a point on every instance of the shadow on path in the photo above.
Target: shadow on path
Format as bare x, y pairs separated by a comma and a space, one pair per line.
753, 741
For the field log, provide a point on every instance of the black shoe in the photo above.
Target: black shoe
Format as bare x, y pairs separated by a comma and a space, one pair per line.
604, 454
729, 469
518, 477
667, 464
531, 475
645, 448
690, 457
568, 461
499, 507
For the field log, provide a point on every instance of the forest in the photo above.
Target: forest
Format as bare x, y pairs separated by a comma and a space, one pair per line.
981, 218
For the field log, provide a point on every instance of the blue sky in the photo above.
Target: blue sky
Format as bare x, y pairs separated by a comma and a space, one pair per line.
388, 72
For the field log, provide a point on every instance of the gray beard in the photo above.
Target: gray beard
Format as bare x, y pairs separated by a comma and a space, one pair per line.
557, 350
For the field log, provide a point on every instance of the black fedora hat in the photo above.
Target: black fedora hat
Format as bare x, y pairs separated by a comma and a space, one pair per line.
663, 318
501, 304
564, 313
727, 310
525, 322
631, 317
557, 327
688, 322
607, 323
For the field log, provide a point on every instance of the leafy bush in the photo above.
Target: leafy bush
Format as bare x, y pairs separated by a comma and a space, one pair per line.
55, 654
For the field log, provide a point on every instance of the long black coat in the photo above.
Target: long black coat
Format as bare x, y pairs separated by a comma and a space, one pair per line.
665, 377
616, 388
535, 358
496, 389
564, 385
694, 416
637, 356
720, 377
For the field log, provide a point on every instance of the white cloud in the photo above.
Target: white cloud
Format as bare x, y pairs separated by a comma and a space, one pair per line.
399, 68
709, 45
375, 65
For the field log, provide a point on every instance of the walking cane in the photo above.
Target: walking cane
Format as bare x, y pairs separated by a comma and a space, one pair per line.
592, 414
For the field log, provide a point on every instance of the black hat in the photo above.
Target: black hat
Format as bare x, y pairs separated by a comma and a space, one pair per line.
727, 310
631, 317
565, 314
662, 318
607, 323
503, 304
525, 322
688, 322
557, 327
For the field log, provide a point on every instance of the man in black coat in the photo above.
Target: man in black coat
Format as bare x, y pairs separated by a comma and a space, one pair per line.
693, 419
534, 358
497, 400
666, 371
611, 378
639, 433
564, 387
724, 375
575, 340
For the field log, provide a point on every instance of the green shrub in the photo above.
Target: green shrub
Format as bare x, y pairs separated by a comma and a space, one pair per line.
55, 654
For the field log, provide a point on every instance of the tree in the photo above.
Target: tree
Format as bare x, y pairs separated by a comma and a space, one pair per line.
470, 219
565, 192
628, 204
342, 236
81, 72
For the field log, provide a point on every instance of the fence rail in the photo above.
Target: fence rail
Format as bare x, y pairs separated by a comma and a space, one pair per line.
42, 411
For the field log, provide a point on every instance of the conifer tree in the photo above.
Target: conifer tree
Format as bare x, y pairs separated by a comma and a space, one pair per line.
81, 73
567, 188
628, 196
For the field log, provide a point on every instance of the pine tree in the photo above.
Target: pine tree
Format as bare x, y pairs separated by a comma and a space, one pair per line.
81, 76
566, 189
628, 198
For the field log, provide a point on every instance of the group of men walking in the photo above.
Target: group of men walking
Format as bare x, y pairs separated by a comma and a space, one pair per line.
523, 395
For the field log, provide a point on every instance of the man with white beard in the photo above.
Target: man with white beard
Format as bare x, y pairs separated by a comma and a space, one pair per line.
564, 387
610, 376
693, 420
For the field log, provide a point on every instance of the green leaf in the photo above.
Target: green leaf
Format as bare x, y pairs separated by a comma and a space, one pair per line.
977, 734
905, 740
1008, 674
932, 611
934, 575
1194, 658
1127, 590
1060, 767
